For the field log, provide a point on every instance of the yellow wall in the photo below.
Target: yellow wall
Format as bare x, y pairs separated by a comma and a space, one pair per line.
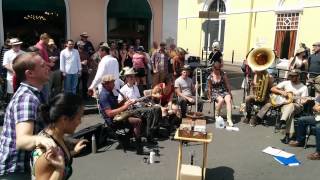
291, 3
189, 26
241, 34
236, 36
189, 37
308, 27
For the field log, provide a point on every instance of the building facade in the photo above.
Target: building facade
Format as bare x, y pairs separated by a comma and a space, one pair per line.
149, 20
244, 24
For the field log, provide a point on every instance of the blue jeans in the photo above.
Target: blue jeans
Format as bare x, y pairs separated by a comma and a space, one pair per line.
303, 122
70, 83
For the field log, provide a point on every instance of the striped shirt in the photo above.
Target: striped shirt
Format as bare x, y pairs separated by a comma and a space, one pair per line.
22, 107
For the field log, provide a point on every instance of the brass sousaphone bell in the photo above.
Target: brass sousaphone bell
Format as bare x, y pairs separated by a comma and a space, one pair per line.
261, 59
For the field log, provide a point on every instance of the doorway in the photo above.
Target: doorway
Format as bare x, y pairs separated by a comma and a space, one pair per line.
128, 20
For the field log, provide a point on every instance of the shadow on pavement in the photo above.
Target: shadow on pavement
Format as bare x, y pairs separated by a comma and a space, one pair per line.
220, 173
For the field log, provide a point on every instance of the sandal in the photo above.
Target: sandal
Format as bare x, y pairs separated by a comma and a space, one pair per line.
314, 156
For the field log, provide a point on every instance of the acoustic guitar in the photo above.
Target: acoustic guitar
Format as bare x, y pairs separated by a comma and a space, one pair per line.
279, 100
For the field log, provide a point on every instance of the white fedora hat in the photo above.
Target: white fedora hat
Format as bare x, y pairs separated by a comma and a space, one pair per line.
15, 41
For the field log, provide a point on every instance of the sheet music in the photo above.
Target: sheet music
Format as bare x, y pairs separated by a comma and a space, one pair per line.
277, 152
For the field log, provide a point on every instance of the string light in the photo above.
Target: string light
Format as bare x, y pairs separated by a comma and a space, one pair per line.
33, 17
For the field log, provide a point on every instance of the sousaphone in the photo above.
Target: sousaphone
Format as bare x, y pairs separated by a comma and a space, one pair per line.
260, 59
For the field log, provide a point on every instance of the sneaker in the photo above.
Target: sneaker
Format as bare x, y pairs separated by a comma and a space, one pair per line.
230, 123
285, 140
314, 156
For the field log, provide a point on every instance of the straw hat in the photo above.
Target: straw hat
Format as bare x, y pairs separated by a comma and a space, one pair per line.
84, 34
15, 41
129, 72
300, 50
123, 70
105, 44
186, 68
108, 78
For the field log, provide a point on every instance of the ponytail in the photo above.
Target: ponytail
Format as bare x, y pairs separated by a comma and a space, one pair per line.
67, 105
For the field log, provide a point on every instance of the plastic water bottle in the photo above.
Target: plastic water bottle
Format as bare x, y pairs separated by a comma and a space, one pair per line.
219, 122
93, 144
151, 157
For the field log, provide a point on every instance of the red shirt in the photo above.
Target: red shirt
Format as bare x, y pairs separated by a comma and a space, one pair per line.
43, 51
165, 97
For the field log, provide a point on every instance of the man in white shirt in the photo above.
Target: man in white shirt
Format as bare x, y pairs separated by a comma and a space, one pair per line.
151, 116
8, 58
70, 66
293, 85
107, 65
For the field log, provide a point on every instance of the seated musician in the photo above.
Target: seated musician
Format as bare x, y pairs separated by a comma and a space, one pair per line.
219, 89
163, 94
295, 87
305, 121
185, 88
151, 116
259, 97
109, 107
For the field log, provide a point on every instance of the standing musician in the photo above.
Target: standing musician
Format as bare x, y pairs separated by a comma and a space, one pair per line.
294, 87
260, 97
150, 115
110, 108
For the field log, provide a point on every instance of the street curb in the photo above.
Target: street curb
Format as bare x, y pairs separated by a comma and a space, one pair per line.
90, 110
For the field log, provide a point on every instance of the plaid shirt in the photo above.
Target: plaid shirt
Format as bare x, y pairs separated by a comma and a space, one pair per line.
22, 107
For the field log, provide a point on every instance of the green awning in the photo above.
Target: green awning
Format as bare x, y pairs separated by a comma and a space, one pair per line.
33, 5
129, 9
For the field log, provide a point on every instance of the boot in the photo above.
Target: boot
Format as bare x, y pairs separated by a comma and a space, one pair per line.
286, 139
140, 147
229, 118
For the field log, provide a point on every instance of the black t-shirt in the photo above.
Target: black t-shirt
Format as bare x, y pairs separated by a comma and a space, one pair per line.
314, 64
215, 56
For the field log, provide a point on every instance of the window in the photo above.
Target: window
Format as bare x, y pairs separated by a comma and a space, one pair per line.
287, 22
218, 6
